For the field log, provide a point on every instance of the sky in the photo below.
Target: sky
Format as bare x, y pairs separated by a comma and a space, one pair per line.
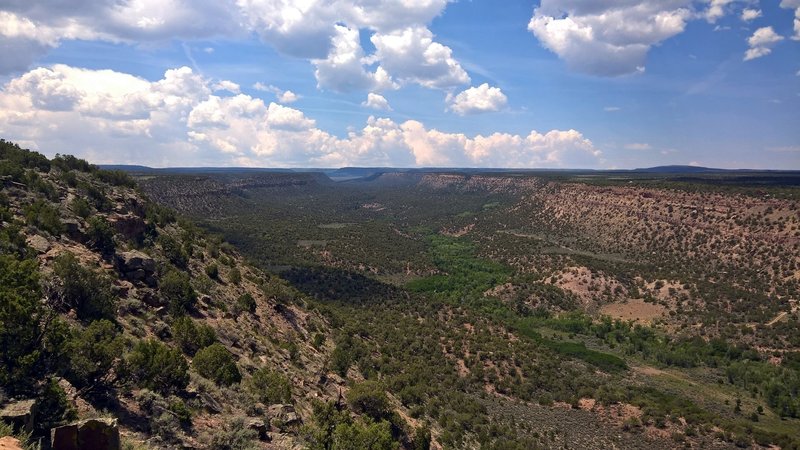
602, 84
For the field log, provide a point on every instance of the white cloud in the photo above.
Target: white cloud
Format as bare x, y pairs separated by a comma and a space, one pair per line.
229, 86
716, 10
761, 43
612, 109
281, 96
377, 101
478, 100
325, 32
608, 38
411, 55
108, 116
749, 14
639, 146
794, 4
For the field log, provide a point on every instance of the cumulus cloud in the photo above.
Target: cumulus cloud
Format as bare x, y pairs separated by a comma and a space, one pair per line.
608, 38
326, 32
717, 9
377, 101
412, 56
749, 14
479, 99
281, 96
108, 116
761, 43
226, 85
794, 4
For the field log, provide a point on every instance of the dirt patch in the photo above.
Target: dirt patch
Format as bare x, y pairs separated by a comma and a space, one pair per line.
637, 310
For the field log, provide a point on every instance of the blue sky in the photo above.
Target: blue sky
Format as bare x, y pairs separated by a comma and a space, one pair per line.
557, 83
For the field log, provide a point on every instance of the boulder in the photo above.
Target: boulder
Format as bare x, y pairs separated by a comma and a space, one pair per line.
259, 427
10, 443
19, 414
64, 438
131, 226
284, 414
72, 229
38, 243
136, 266
95, 434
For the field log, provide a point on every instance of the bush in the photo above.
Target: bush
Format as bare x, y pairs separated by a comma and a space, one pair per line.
81, 207
269, 387
178, 292
369, 398
20, 317
216, 363
235, 436
101, 236
83, 290
245, 303
53, 408
44, 217
94, 354
157, 367
234, 276
173, 251
192, 337
212, 270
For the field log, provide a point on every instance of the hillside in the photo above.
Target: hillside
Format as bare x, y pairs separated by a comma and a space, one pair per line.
111, 306
549, 310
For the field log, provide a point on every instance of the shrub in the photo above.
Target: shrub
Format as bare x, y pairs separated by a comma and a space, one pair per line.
83, 290
235, 435
157, 367
178, 292
101, 236
45, 217
53, 408
173, 251
269, 387
80, 207
192, 337
94, 355
246, 303
369, 398
212, 270
216, 363
234, 276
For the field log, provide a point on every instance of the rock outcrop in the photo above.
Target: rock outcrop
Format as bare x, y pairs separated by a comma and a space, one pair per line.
95, 434
19, 414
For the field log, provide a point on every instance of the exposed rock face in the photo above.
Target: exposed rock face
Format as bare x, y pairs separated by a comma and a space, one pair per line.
95, 434
39, 243
10, 443
72, 229
259, 427
284, 414
131, 226
137, 266
19, 414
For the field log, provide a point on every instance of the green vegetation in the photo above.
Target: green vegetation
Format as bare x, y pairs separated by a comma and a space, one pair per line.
216, 363
84, 290
157, 367
192, 337
178, 291
269, 387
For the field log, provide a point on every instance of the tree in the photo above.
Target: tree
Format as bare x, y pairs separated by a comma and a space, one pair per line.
94, 354
269, 387
83, 290
192, 337
369, 398
101, 236
22, 324
157, 367
178, 292
216, 363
